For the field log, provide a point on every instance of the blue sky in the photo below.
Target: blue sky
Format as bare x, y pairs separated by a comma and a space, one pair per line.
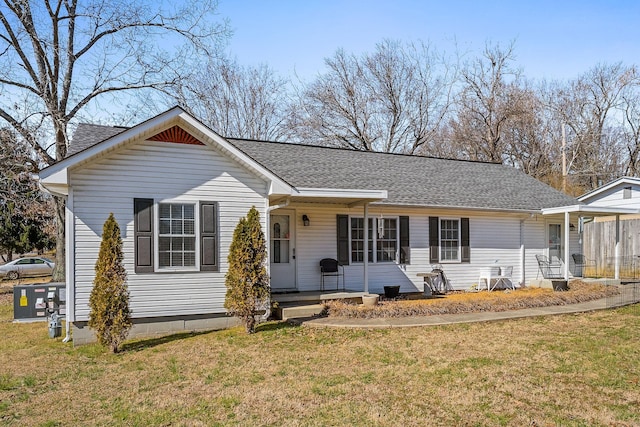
553, 39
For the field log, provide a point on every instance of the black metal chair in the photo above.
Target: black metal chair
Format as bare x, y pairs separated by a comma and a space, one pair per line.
580, 262
331, 267
549, 270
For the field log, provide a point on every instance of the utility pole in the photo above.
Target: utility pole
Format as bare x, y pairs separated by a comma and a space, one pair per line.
564, 160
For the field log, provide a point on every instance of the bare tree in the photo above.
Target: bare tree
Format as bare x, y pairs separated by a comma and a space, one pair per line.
489, 99
587, 105
237, 101
631, 116
529, 139
394, 100
58, 57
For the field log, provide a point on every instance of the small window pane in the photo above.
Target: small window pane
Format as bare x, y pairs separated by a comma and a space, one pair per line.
164, 259
189, 259
164, 244
165, 226
189, 244
165, 211
176, 259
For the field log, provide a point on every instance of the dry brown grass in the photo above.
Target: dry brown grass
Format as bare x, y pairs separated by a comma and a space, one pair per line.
474, 302
569, 370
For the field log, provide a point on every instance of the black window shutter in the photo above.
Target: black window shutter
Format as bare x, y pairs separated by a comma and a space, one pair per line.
143, 235
343, 239
434, 244
209, 236
405, 254
464, 240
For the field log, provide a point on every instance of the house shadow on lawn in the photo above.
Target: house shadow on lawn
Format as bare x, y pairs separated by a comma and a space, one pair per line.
273, 326
144, 344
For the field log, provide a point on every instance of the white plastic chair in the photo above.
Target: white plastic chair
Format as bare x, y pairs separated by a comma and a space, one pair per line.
505, 277
487, 274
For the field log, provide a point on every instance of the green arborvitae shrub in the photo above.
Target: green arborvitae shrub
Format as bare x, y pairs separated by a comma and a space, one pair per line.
110, 316
247, 281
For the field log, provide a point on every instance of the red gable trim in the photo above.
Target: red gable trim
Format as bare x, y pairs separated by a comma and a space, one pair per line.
176, 134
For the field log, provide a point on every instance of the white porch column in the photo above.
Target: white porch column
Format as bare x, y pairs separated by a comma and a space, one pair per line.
617, 254
366, 248
567, 249
523, 263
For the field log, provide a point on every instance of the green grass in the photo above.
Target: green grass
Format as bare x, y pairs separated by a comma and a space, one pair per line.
541, 371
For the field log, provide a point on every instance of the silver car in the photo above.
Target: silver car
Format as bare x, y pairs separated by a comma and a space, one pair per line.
22, 267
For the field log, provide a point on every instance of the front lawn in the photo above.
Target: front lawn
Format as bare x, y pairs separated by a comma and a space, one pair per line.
569, 370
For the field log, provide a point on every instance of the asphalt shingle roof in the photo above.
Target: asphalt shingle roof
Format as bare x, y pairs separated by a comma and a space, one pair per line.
87, 135
409, 180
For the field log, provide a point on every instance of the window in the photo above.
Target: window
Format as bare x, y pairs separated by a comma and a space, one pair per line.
357, 240
383, 236
449, 240
387, 239
176, 235
182, 236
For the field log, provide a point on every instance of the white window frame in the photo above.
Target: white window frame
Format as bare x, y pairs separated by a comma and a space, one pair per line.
440, 245
156, 231
374, 241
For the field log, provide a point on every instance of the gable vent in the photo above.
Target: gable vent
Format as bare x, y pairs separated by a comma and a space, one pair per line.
176, 134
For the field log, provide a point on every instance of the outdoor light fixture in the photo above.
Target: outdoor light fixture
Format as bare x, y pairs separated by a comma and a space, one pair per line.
305, 220
572, 227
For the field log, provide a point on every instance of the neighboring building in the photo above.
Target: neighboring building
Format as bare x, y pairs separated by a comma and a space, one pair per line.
600, 243
620, 193
178, 190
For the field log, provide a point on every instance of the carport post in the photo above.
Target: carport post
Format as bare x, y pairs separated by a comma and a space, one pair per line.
567, 249
366, 248
617, 268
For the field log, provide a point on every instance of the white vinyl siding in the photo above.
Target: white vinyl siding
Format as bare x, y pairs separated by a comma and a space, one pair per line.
620, 196
163, 172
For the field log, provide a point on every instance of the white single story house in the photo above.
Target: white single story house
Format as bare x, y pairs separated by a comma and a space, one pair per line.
178, 189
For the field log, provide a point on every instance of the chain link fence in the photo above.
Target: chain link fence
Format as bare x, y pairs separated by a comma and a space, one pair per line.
629, 294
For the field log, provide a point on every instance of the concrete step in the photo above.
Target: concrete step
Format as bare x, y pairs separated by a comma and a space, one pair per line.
285, 311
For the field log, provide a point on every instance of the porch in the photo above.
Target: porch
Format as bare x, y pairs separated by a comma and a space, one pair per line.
614, 265
308, 303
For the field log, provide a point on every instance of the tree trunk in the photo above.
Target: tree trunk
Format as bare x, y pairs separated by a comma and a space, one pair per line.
59, 270
250, 324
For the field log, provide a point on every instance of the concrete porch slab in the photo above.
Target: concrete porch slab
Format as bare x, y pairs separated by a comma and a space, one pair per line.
314, 296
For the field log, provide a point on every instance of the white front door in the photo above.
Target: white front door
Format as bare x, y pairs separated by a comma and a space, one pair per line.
283, 250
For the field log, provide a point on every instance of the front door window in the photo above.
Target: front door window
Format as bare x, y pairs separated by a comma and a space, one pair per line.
555, 242
280, 239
